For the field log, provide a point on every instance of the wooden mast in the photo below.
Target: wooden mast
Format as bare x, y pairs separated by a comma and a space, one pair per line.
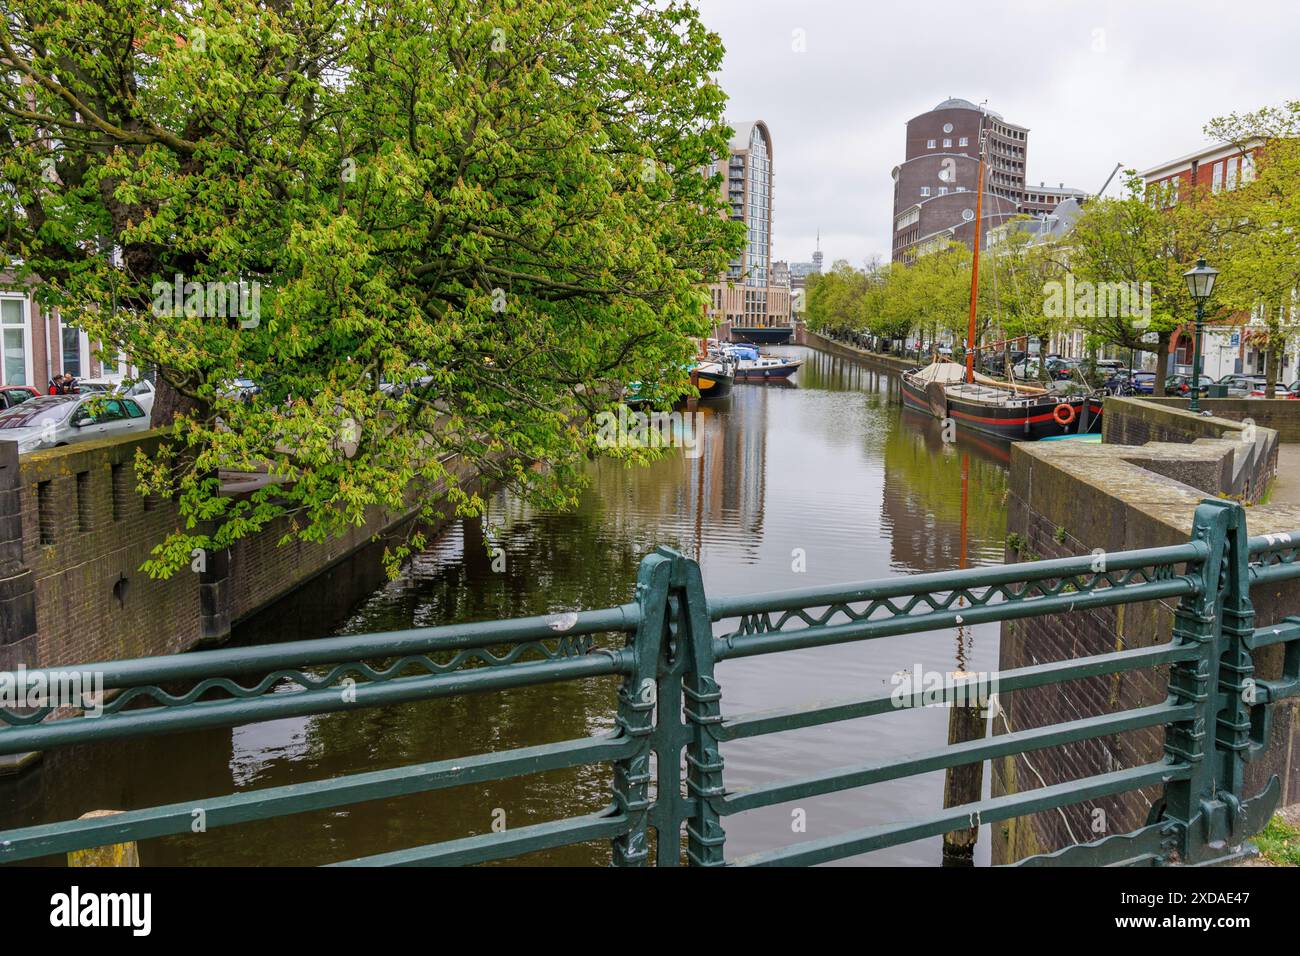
975, 261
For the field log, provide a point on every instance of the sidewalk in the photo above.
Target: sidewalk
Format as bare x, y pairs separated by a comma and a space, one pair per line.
1286, 487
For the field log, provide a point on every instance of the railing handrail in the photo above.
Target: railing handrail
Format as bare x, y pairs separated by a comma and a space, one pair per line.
946, 581
670, 700
265, 658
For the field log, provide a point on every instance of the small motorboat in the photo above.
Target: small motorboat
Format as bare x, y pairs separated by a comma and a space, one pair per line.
713, 379
753, 366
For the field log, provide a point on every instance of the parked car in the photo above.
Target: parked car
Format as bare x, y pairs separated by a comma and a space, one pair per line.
11, 395
244, 389
1057, 368
48, 421
1109, 368
1143, 382
141, 391
394, 389
1283, 391
994, 363
1241, 386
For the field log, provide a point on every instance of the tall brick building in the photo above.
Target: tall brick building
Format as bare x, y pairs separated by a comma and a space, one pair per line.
934, 186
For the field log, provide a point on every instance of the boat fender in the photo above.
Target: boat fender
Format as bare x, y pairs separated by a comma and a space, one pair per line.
1064, 414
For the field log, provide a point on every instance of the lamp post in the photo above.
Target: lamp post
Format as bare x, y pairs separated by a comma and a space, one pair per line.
1200, 283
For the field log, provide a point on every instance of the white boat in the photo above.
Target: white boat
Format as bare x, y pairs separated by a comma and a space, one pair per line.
753, 366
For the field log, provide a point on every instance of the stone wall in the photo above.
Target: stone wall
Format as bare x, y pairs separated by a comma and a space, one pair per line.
74, 533
1254, 445
890, 363
1281, 415
85, 534
1067, 498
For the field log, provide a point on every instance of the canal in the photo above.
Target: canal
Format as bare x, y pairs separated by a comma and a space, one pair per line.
823, 481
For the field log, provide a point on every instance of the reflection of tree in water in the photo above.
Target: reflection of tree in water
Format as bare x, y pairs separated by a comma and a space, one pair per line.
923, 496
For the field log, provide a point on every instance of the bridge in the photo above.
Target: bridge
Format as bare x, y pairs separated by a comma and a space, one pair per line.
668, 795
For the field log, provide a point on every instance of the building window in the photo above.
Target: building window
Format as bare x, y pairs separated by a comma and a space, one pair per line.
1216, 177
925, 190
13, 341
943, 190
1232, 173
964, 141
929, 144
71, 349
1247, 167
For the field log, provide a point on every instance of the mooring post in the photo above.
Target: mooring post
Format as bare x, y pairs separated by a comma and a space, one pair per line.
110, 854
963, 784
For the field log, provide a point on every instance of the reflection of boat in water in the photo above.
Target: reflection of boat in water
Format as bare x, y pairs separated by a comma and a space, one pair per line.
989, 447
753, 366
946, 390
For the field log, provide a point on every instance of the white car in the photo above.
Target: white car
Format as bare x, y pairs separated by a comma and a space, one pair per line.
142, 390
52, 420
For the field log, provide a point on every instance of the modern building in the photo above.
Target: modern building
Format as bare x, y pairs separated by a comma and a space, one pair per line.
934, 186
1042, 200
747, 297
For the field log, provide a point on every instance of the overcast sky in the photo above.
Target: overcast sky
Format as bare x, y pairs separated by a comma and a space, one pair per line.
1096, 81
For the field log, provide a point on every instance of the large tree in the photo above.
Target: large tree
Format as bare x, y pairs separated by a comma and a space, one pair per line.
1134, 242
500, 207
1257, 225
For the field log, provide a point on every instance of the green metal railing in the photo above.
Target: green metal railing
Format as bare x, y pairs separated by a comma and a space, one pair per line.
668, 642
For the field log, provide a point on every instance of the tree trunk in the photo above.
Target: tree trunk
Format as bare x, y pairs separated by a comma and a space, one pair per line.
1162, 364
1273, 352
167, 403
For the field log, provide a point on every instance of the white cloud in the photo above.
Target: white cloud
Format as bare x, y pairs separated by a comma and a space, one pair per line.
1096, 82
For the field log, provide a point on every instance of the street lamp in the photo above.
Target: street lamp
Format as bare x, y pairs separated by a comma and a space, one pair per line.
1200, 283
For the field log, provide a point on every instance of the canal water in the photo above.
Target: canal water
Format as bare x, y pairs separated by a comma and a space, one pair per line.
823, 481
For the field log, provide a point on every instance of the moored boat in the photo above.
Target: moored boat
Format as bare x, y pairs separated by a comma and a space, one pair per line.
764, 334
753, 366
713, 379
996, 408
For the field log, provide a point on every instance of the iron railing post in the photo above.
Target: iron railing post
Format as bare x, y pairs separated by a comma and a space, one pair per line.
1196, 621
1236, 667
637, 700
705, 837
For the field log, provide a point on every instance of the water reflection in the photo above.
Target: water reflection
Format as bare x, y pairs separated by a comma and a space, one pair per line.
822, 482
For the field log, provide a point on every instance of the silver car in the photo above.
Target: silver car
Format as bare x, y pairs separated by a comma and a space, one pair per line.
52, 420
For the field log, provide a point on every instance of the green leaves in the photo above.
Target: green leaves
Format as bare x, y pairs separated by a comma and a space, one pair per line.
445, 208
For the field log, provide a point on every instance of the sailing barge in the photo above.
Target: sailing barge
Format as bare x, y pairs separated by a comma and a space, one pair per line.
984, 404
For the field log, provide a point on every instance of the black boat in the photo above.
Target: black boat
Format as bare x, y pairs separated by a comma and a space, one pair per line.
985, 405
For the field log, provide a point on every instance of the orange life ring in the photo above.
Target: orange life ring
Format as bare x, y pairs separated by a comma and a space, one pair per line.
1068, 417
